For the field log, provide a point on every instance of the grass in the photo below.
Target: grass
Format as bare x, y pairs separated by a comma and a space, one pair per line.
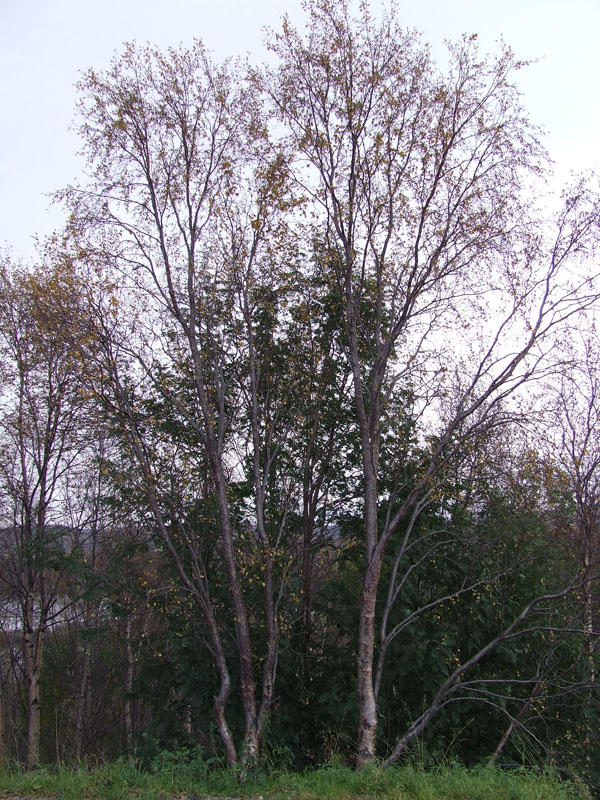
175, 777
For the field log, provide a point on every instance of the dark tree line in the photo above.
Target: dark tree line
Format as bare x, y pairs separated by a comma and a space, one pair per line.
290, 419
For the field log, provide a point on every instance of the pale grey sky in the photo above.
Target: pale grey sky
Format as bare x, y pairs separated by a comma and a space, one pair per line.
44, 44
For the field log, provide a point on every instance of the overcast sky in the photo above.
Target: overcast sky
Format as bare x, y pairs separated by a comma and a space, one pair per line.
45, 44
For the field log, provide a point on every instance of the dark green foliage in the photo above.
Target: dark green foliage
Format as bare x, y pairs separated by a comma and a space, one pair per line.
61, 678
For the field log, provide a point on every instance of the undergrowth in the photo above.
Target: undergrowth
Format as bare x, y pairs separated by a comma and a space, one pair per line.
180, 775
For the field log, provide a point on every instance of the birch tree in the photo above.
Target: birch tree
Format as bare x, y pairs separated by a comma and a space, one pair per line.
41, 437
184, 212
418, 180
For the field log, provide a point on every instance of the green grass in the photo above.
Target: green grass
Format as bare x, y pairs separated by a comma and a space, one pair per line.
178, 777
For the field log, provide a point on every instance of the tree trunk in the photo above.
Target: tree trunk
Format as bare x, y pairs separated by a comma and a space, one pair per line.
244, 647
2, 726
307, 570
367, 702
82, 702
195, 587
187, 720
588, 610
508, 733
128, 710
32, 651
242, 631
